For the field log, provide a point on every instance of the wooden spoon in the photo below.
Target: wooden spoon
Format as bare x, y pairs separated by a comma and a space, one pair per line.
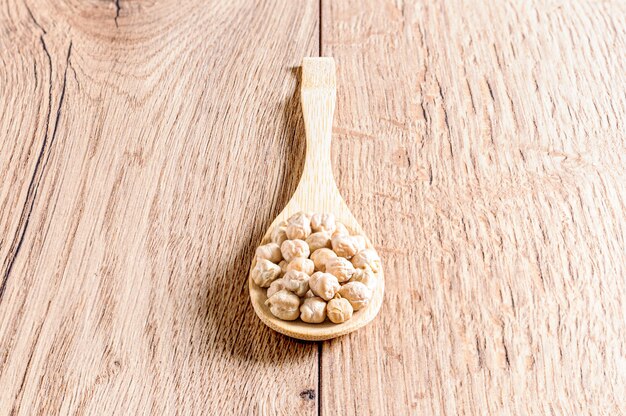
317, 192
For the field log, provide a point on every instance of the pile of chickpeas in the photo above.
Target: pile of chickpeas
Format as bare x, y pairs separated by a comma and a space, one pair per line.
314, 269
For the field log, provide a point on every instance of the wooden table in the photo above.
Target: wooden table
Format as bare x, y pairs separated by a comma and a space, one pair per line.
147, 145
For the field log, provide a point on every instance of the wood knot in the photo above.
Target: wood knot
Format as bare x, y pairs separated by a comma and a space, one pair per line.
308, 394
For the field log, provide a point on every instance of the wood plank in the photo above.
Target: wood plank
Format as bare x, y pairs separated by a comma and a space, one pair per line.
145, 148
482, 145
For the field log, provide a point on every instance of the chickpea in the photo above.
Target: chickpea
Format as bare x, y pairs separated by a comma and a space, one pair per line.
340, 229
365, 276
320, 257
313, 310
341, 268
365, 258
296, 282
360, 242
264, 272
284, 305
314, 268
276, 286
269, 252
283, 267
357, 294
298, 216
318, 240
298, 226
339, 310
302, 265
294, 248
324, 285
279, 233
344, 246
323, 222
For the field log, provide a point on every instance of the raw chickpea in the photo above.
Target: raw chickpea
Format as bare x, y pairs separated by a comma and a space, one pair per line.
341, 268
264, 272
298, 226
323, 222
320, 257
294, 248
324, 285
357, 294
269, 252
344, 246
365, 276
359, 242
297, 282
284, 305
318, 240
366, 258
340, 229
300, 216
279, 233
339, 310
276, 286
313, 310
314, 268
302, 265
283, 266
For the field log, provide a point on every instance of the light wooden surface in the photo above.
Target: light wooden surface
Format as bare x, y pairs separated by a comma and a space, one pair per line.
490, 170
167, 145
145, 148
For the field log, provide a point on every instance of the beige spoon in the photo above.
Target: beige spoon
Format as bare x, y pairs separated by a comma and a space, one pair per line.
317, 192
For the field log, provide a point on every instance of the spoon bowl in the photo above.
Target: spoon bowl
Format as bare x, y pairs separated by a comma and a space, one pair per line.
317, 192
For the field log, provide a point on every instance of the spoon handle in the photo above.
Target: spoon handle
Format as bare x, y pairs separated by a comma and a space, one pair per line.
318, 96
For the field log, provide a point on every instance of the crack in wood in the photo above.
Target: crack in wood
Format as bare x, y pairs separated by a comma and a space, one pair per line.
32, 17
36, 78
40, 166
118, 7
320, 349
74, 72
490, 91
471, 96
319, 24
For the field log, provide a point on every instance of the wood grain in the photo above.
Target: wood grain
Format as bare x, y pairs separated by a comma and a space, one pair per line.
145, 148
482, 146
